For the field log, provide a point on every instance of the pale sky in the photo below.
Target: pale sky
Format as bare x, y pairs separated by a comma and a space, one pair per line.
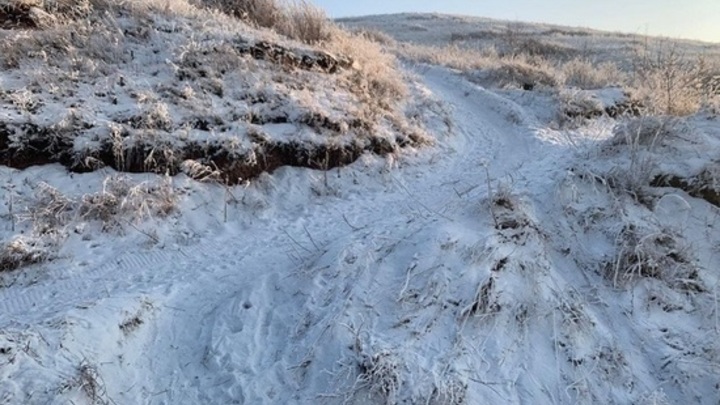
692, 19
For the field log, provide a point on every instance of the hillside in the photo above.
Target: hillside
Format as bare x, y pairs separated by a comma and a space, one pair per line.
197, 209
478, 32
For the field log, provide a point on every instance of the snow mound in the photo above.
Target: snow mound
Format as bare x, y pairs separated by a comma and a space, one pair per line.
141, 87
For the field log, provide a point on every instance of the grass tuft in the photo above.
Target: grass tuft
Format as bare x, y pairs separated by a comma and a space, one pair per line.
24, 251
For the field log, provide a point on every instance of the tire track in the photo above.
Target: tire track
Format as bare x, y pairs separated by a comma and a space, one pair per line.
30, 302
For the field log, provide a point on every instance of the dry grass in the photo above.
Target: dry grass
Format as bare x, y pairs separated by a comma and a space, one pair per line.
121, 201
24, 251
648, 131
89, 45
511, 70
526, 72
307, 23
661, 77
118, 202
377, 36
376, 77
89, 382
658, 255
379, 375
41, 14
584, 74
297, 19
49, 217
452, 56
668, 81
264, 13
448, 391
53, 209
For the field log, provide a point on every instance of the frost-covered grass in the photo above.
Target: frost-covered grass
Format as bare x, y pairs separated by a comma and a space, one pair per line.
297, 19
144, 86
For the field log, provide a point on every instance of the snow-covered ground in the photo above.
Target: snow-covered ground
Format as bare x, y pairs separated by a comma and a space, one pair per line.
511, 262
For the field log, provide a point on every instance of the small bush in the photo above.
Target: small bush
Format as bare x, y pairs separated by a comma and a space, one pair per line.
375, 75
645, 131
119, 200
298, 20
380, 374
579, 105
667, 79
585, 75
377, 36
537, 48
263, 13
154, 116
307, 23
23, 251
52, 209
647, 254
526, 72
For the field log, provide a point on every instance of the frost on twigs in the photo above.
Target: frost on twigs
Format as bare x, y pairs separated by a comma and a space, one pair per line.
120, 200
661, 255
24, 251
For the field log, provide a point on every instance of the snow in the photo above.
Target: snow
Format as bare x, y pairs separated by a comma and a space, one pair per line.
471, 271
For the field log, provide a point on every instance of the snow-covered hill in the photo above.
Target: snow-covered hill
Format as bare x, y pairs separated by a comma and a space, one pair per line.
441, 29
511, 258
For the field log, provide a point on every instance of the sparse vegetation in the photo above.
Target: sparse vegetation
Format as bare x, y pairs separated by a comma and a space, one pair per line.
24, 251
379, 374
659, 255
297, 19
584, 74
668, 81
89, 382
121, 201
646, 132
659, 75
49, 215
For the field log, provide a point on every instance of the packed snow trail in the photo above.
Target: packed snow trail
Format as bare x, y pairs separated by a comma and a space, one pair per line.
247, 329
231, 333
380, 285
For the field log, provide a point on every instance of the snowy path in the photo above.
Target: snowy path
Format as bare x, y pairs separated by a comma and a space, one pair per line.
229, 335
402, 265
224, 312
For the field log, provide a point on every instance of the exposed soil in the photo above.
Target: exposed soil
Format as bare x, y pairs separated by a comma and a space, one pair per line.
699, 186
265, 156
631, 108
16, 17
307, 60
